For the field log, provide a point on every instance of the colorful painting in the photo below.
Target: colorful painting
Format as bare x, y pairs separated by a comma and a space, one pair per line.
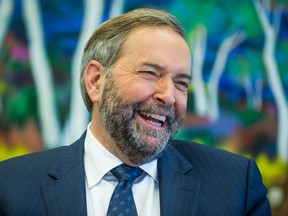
237, 101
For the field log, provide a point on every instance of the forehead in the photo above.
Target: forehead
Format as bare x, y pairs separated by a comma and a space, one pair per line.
143, 33
157, 44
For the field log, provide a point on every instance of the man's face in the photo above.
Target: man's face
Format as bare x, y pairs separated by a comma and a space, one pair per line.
144, 98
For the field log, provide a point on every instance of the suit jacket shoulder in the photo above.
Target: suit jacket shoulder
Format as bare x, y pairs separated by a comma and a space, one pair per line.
44, 183
210, 181
210, 155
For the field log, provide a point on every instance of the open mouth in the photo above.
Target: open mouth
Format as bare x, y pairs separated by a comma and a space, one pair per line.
154, 119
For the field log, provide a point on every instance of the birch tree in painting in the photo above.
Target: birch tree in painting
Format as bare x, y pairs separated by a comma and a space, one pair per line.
258, 94
221, 59
116, 8
78, 117
206, 104
6, 9
245, 69
198, 56
270, 29
206, 100
42, 74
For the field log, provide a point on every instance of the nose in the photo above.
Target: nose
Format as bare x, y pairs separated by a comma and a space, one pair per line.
165, 93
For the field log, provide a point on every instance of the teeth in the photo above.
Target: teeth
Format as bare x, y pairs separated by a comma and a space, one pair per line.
154, 123
155, 116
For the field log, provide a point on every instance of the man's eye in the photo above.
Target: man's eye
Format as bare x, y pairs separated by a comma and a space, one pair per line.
182, 86
150, 73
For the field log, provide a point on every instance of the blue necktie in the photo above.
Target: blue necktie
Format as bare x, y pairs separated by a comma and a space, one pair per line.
122, 201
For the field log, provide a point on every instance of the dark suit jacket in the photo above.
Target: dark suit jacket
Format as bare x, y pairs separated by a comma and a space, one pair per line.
194, 180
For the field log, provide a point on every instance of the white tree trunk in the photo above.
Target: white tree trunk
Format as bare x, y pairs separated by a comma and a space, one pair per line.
258, 97
6, 9
198, 55
225, 48
274, 79
78, 115
248, 87
42, 75
253, 93
116, 8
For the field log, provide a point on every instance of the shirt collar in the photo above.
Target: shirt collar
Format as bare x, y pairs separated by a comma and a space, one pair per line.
98, 161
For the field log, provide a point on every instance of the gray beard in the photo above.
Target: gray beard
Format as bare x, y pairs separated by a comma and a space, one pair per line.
118, 116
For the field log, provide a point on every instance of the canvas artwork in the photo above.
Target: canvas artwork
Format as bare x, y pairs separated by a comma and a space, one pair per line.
238, 98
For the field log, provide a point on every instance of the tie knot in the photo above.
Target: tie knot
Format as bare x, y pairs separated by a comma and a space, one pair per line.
125, 172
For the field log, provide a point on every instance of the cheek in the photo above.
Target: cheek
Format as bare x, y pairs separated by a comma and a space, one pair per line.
137, 92
181, 105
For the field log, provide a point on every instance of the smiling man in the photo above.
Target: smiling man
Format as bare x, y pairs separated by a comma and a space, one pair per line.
134, 80
139, 105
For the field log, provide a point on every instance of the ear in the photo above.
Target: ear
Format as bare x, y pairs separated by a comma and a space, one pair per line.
94, 80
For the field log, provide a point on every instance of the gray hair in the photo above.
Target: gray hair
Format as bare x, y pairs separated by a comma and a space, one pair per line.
105, 44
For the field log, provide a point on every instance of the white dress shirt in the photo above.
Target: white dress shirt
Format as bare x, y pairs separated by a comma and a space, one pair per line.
100, 183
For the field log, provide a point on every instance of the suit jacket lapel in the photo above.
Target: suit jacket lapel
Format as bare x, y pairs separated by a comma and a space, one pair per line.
64, 190
179, 185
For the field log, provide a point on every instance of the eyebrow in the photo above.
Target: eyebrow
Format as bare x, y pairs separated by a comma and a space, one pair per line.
161, 68
153, 65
